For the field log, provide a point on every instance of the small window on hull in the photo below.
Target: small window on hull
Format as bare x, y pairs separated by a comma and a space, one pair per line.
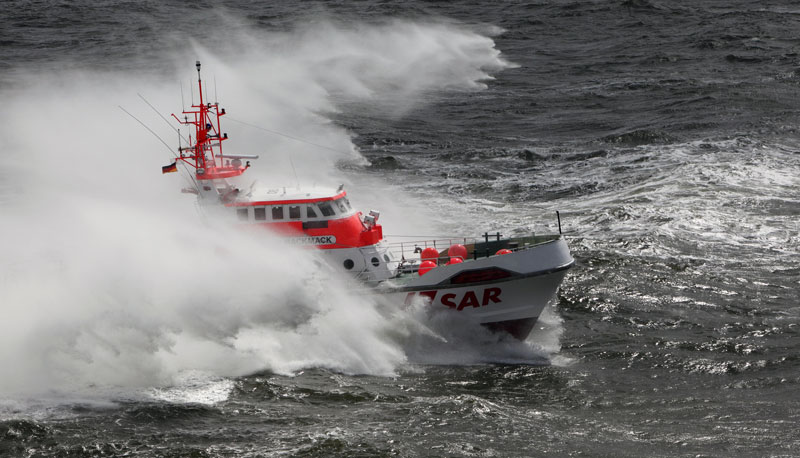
294, 212
260, 213
310, 212
277, 213
242, 214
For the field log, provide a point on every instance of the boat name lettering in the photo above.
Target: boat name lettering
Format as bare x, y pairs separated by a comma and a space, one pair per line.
459, 301
313, 240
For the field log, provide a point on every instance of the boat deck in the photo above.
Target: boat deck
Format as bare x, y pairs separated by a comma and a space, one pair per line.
477, 248
408, 253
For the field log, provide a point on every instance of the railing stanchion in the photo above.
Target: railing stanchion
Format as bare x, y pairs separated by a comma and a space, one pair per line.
558, 216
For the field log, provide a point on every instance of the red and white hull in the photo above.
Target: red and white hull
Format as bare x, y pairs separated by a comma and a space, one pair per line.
504, 284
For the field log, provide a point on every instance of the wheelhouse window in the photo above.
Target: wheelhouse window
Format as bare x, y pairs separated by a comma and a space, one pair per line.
277, 213
294, 212
310, 212
341, 205
242, 214
326, 209
260, 213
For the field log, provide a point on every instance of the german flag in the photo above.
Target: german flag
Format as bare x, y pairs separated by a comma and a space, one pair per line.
170, 168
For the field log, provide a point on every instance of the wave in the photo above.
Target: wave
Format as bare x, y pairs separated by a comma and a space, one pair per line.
110, 278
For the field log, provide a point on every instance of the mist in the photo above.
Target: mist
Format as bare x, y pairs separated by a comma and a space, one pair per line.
111, 277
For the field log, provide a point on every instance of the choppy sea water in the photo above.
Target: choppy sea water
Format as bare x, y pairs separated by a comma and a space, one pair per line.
664, 133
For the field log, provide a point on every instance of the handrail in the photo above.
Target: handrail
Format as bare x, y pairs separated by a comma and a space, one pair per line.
446, 242
476, 247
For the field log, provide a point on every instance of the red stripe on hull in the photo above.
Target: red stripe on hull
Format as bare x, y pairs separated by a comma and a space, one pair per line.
349, 231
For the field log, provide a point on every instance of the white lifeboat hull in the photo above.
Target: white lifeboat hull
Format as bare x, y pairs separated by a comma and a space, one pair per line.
504, 292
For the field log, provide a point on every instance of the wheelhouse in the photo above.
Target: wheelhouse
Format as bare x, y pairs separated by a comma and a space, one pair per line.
289, 208
322, 218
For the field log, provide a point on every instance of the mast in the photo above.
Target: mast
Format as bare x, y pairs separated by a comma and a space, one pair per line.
204, 153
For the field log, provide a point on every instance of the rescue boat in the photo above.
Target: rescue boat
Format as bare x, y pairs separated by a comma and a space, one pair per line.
503, 283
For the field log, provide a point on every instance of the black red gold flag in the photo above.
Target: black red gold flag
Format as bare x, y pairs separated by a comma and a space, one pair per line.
170, 168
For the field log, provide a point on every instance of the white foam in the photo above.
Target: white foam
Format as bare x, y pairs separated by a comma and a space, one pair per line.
441, 337
110, 281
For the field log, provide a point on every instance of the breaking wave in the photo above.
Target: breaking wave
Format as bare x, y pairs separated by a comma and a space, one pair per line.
110, 278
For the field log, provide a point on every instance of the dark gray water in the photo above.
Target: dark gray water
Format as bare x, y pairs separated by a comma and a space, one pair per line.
664, 132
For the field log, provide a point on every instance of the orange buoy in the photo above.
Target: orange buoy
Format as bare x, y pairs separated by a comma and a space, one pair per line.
430, 254
455, 261
503, 251
426, 266
457, 250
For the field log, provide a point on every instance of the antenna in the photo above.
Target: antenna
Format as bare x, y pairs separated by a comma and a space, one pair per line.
182, 102
297, 182
158, 113
169, 148
215, 90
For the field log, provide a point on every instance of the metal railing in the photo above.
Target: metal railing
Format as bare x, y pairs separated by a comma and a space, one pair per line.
477, 247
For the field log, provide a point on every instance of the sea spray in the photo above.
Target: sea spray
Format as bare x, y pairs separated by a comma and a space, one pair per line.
135, 301
302, 77
683, 342
431, 336
110, 277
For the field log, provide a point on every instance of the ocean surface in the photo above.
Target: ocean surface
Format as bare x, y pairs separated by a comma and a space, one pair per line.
665, 134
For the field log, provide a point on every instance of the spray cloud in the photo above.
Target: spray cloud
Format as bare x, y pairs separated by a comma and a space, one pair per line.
108, 276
